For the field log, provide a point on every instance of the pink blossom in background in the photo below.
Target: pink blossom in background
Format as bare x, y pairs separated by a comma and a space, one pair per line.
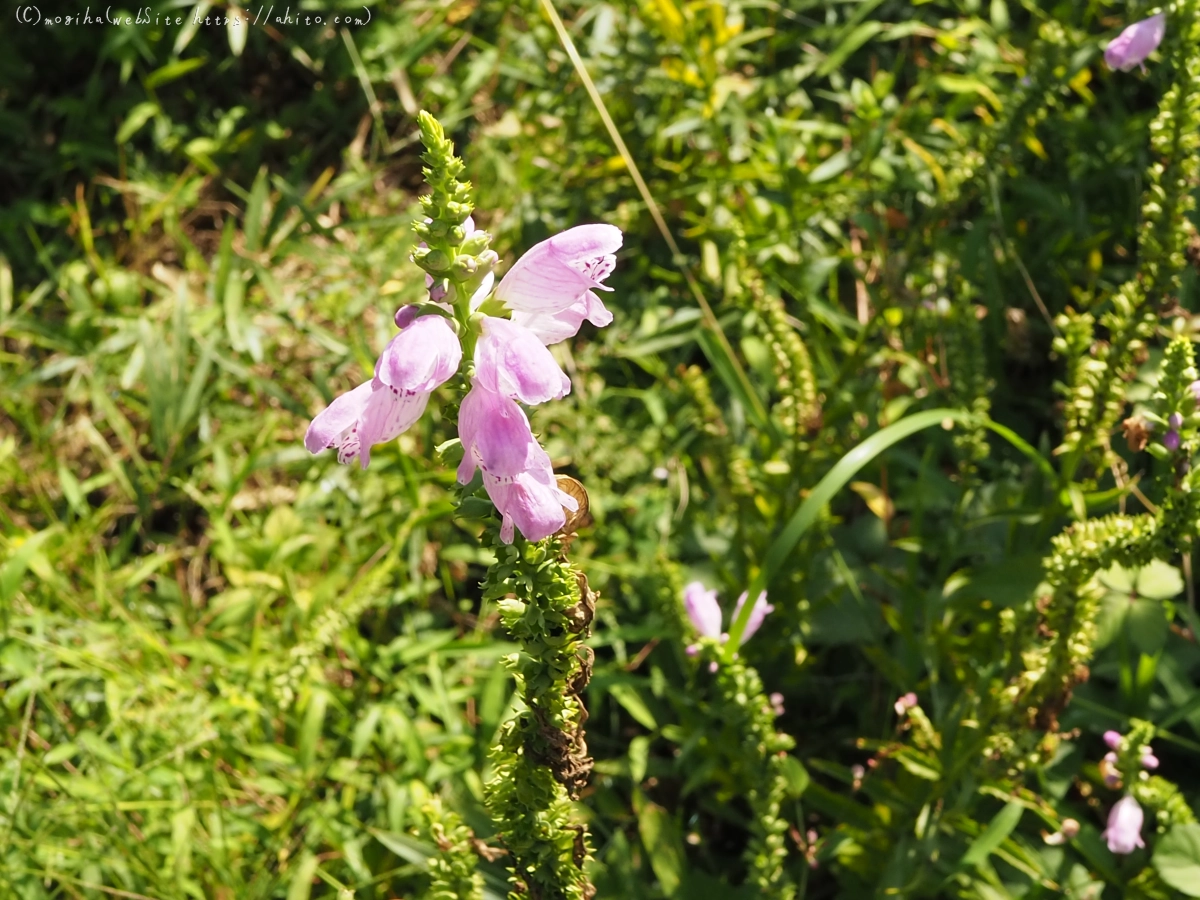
757, 614
1123, 834
705, 612
551, 289
905, 703
703, 609
417, 360
1131, 47
1112, 739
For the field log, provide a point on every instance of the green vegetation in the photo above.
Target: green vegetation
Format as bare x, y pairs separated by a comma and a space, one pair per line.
904, 335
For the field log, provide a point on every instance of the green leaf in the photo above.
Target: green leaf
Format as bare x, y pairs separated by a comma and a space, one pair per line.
639, 757
796, 775
364, 731
310, 731
1114, 610
661, 838
993, 836
171, 71
837, 478
255, 208
191, 24
138, 116
727, 370
1118, 578
300, 887
1159, 581
849, 44
632, 701
918, 764
14, 567
60, 753
835, 165
1177, 859
1148, 626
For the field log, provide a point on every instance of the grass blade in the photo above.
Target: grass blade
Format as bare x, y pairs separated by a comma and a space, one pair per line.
835, 479
725, 362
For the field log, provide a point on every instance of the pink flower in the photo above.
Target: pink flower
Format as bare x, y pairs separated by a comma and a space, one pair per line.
760, 611
1131, 47
702, 609
1123, 834
551, 288
517, 472
1149, 761
777, 707
512, 362
705, 613
1112, 739
905, 703
417, 360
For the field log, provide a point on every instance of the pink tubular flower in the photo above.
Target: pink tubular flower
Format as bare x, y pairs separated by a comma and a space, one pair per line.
517, 473
512, 362
1112, 739
417, 360
702, 609
1123, 833
705, 613
904, 703
551, 289
760, 611
1131, 47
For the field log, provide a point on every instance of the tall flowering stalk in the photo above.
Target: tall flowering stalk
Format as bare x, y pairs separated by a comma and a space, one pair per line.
738, 706
1098, 370
492, 339
540, 760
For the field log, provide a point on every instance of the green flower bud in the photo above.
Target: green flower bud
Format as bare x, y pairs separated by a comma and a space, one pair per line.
435, 262
475, 244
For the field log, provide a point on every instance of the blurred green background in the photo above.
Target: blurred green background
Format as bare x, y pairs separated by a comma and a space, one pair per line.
231, 669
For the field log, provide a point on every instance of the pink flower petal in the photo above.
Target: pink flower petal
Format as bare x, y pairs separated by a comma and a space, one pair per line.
703, 609
1131, 47
760, 611
558, 325
529, 500
557, 272
422, 356
372, 413
511, 361
326, 429
1123, 834
495, 435
388, 413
